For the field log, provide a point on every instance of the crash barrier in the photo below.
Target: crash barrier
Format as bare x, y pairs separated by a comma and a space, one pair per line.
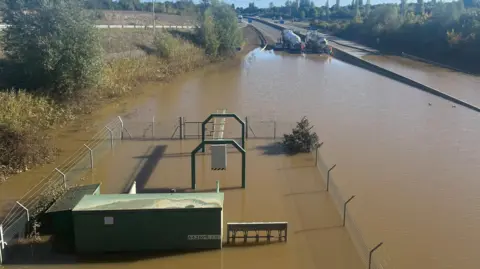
261, 229
260, 35
16, 224
351, 59
354, 60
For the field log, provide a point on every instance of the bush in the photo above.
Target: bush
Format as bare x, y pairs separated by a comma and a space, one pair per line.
54, 43
302, 139
20, 150
23, 118
219, 32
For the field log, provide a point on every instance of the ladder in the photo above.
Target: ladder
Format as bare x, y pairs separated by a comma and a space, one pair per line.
219, 125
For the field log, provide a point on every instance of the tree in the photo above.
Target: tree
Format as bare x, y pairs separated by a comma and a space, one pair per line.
337, 5
421, 7
367, 8
219, 30
357, 9
302, 14
327, 10
403, 7
56, 45
302, 139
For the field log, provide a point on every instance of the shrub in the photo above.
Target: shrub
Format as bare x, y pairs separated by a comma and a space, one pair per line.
54, 43
219, 30
302, 139
166, 45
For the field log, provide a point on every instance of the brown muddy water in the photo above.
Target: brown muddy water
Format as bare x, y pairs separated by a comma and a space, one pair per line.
411, 165
463, 86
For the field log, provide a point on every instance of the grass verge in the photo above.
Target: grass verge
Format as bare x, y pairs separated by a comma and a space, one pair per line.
27, 117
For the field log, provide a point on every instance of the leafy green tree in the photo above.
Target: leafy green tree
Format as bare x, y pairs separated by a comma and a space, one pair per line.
55, 45
420, 7
327, 6
357, 9
219, 30
403, 7
368, 7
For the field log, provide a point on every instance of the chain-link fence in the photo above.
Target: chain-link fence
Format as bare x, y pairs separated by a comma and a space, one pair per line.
16, 222
376, 256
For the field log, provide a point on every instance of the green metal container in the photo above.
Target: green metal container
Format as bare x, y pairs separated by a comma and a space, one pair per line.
59, 218
148, 222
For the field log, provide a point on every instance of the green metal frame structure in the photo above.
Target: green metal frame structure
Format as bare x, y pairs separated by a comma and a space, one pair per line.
218, 142
228, 115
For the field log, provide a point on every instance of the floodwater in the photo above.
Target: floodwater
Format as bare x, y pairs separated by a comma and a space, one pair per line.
411, 166
461, 85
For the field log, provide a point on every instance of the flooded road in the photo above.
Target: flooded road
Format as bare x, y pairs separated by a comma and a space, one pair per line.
412, 166
463, 86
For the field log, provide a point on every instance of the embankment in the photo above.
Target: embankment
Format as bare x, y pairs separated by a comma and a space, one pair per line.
357, 61
29, 120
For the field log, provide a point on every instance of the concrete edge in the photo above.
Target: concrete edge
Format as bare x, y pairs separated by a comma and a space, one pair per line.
354, 60
260, 35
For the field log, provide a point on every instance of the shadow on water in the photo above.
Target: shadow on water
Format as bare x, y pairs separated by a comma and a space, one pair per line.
146, 169
43, 253
272, 149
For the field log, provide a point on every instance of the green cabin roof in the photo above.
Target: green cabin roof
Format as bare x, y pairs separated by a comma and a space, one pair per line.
71, 198
108, 202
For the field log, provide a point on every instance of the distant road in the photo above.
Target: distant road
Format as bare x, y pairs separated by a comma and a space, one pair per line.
128, 26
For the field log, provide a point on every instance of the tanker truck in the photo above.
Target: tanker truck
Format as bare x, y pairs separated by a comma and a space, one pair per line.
316, 42
291, 41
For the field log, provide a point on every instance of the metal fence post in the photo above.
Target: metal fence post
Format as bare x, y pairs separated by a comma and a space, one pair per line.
371, 253
184, 128
64, 177
2, 244
121, 125
274, 129
91, 156
153, 127
246, 127
26, 209
111, 137
180, 123
316, 153
345, 208
328, 175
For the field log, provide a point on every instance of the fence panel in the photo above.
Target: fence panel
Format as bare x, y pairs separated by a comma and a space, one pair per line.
38, 198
